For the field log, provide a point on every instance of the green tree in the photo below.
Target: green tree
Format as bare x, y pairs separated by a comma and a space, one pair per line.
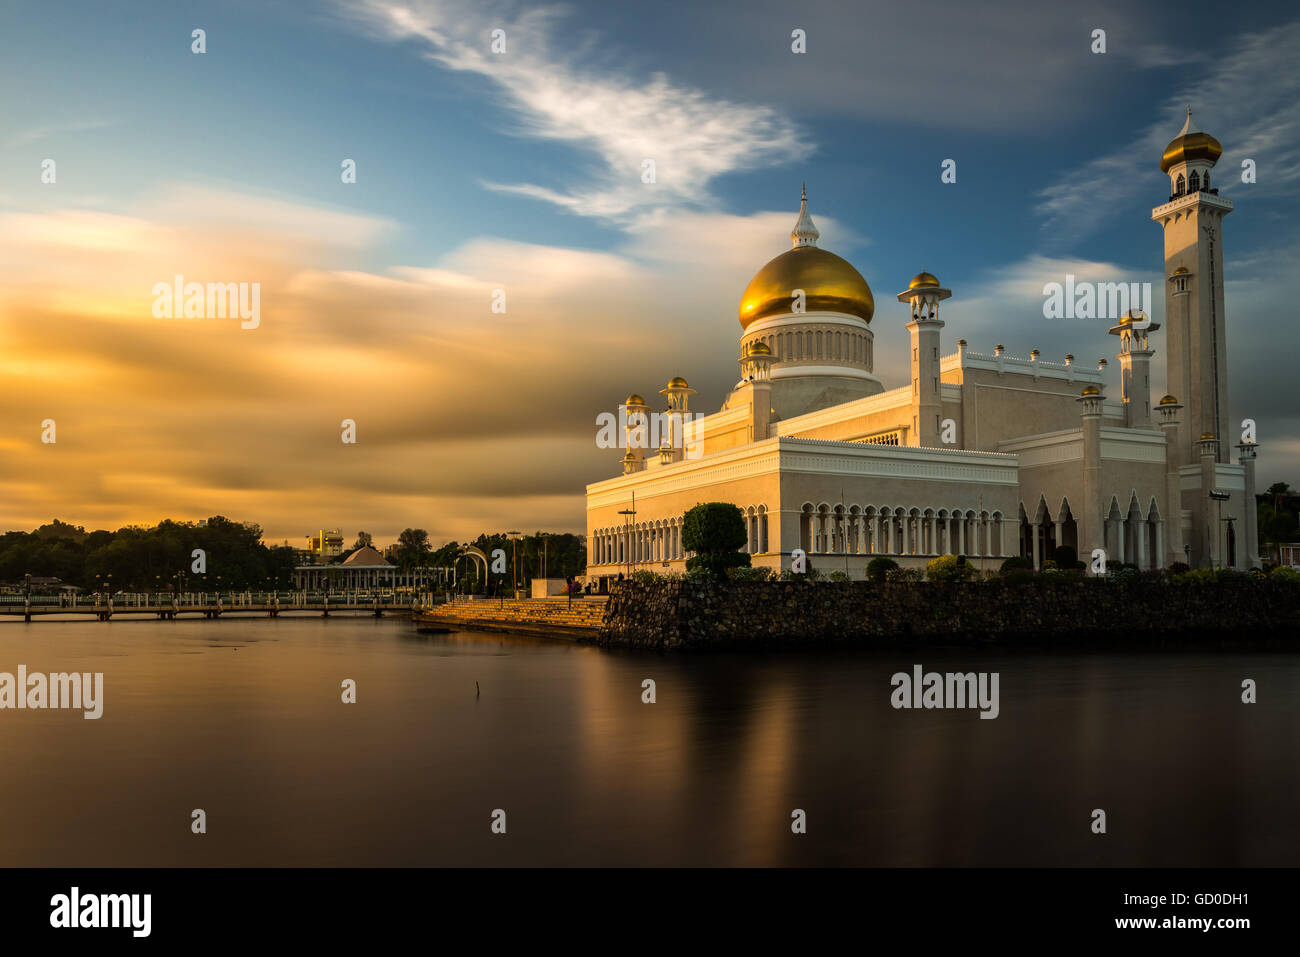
715, 531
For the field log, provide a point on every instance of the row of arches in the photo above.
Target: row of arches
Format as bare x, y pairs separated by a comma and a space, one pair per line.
1130, 533
819, 345
639, 543
897, 531
661, 540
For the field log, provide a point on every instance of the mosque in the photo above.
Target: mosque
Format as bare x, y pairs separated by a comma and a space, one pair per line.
983, 454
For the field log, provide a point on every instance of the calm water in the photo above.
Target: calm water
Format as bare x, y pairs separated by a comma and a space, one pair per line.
243, 719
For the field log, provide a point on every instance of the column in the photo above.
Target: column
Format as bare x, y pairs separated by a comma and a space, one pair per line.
1036, 526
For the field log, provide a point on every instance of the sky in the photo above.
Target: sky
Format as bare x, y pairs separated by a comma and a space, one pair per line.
523, 171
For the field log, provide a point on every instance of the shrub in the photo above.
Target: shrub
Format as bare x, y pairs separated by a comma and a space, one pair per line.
1121, 572
1050, 565
718, 565
714, 531
878, 568
1065, 556
839, 575
1178, 568
644, 577
1017, 563
948, 568
1284, 573
1195, 576
748, 574
1019, 576
904, 575
713, 528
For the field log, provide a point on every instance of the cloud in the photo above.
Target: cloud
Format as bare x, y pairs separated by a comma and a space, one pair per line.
622, 121
1249, 100
467, 419
26, 138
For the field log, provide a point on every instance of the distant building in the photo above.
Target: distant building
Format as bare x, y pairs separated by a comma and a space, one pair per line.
325, 545
366, 570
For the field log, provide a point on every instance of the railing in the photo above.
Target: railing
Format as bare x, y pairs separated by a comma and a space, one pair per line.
225, 601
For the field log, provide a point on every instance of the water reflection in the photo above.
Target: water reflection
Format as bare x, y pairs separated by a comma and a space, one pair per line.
244, 719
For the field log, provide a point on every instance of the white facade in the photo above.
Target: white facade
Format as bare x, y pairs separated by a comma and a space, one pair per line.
985, 455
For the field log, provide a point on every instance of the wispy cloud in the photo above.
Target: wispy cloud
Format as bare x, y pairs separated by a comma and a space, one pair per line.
38, 133
622, 120
1250, 101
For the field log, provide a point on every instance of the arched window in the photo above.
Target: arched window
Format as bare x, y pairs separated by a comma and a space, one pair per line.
1205, 184
1180, 185
1193, 182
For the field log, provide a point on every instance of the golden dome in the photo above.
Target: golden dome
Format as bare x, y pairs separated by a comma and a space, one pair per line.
759, 349
830, 284
923, 280
1169, 400
677, 382
1092, 390
1180, 270
1207, 436
634, 399
1190, 144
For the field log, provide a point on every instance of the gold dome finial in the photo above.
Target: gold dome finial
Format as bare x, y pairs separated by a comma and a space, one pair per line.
1190, 144
805, 231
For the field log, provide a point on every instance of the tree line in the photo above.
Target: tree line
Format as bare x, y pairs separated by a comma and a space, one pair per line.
138, 558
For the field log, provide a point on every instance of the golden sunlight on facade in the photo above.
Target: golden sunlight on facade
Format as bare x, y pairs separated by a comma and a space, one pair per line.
986, 454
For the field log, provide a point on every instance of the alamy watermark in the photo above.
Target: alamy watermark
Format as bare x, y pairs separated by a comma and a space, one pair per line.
650, 430
215, 300
39, 691
950, 690
1097, 300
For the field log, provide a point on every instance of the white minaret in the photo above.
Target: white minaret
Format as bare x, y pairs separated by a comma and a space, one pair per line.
924, 294
1194, 310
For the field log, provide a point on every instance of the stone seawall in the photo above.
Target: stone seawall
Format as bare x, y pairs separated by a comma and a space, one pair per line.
690, 614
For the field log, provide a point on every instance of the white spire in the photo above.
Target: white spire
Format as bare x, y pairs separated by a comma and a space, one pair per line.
804, 232
1189, 126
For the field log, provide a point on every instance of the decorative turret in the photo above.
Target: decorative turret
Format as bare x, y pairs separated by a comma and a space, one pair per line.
756, 374
672, 443
637, 432
923, 295
1135, 366
1092, 531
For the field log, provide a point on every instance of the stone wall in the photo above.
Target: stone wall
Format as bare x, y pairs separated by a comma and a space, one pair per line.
689, 614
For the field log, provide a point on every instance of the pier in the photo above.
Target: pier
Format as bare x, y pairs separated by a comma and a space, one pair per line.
211, 604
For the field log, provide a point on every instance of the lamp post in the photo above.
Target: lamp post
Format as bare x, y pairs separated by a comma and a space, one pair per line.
630, 514
1219, 497
514, 561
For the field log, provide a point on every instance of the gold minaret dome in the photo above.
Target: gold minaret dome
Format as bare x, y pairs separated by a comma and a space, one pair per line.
1190, 144
634, 399
677, 382
829, 283
923, 280
1207, 436
1169, 400
1180, 270
1092, 390
760, 349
